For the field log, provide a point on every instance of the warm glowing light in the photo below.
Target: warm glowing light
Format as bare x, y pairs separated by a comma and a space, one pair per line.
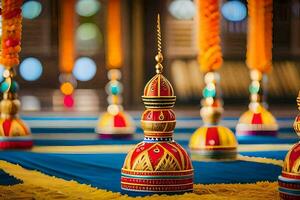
182, 9
87, 31
113, 109
68, 101
30, 103
67, 88
66, 36
114, 39
31, 69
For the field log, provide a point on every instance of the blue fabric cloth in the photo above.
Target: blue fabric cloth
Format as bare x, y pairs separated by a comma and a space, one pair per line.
137, 118
6, 179
184, 142
103, 170
37, 130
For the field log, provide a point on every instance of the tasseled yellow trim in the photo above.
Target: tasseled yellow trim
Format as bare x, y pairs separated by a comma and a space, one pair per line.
261, 160
40, 186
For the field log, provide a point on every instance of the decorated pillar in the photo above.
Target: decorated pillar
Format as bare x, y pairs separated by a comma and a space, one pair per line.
289, 180
115, 122
68, 82
158, 164
258, 120
211, 141
13, 131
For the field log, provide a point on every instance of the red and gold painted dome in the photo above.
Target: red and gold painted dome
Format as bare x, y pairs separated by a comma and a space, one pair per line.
157, 157
158, 86
14, 133
213, 142
158, 164
258, 121
289, 181
116, 125
297, 125
157, 167
291, 164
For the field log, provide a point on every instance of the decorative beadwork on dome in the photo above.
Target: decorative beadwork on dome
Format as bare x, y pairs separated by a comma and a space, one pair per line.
158, 164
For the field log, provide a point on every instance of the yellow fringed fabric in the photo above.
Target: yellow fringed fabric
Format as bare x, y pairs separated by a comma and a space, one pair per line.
46, 187
259, 42
210, 54
126, 148
114, 37
66, 36
261, 160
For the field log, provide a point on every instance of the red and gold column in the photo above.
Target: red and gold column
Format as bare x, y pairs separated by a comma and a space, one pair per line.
211, 141
68, 82
258, 120
13, 131
289, 180
115, 123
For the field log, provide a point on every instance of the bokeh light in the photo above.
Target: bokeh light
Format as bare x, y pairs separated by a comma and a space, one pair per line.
182, 9
87, 31
68, 101
30, 103
234, 11
87, 8
31, 9
66, 88
31, 69
85, 69
1, 72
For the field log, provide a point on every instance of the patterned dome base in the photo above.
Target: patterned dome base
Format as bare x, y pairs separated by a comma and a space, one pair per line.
289, 181
14, 134
119, 125
162, 167
213, 142
257, 123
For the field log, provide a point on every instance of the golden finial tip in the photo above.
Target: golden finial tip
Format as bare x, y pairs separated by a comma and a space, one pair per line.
159, 56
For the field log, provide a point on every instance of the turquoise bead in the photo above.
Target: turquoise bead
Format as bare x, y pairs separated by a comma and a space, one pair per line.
14, 87
115, 89
253, 89
208, 93
4, 86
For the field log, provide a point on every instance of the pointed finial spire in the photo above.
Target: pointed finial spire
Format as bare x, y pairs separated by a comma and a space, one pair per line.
159, 56
298, 101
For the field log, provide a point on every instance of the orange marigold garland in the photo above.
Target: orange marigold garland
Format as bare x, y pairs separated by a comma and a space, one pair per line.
259, 44
13, 131
210, 54
210, 60
11, 32
258, 120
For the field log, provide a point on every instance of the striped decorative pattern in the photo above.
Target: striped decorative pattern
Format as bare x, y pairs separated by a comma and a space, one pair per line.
157, 167
14, 133
119, 125
215, 142
289, 181
257, 122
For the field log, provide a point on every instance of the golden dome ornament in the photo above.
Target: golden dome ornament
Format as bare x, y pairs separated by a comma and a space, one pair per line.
158, 164
115, 123
211, 141
14, 133
289, 180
